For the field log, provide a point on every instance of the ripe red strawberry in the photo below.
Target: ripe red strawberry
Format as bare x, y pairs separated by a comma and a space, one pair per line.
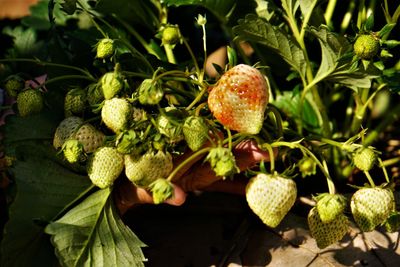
371, 207
271, 197
116, 113
142, 170
239, 99
105, 166
327, 233
29, 102
89, 137
65, 130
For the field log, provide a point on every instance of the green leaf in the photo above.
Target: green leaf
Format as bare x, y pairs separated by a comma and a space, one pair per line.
136, 12
306, 6
68, 6
39, 16
289, 104
334, 67
224, 10
290, 6
330, 49
369, 23
25, 42
44, 188
92, 234
258, 30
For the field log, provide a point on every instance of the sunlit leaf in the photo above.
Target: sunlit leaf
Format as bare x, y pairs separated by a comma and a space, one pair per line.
307, 116
39, 16
44, 188
258, 30
25, 41
92, 234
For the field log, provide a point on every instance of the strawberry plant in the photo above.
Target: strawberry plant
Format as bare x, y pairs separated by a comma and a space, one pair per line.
101, 94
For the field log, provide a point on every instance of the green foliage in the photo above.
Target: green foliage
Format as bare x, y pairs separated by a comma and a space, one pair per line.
227, 11
258, 30
25, 41
39, 18
41, 194
307, 116
92, 234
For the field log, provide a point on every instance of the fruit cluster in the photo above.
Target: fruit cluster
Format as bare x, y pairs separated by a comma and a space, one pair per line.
115, 127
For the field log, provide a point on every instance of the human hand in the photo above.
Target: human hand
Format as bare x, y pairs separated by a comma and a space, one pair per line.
197, 176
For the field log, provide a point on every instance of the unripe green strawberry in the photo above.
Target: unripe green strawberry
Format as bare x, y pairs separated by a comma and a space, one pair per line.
73, 150
271, 197
171, 35
239, 99
366, 46
329, 233
116, 114
142, 170
13, 85
330, 206
105, 48
307, 166
65, 130
94, 94
127, 141
29, 102
74, 102
364, 158
89, 137
105, 166
150, 92
371, 207
169, 124
162, 190
222, 161
111, 84
195, 131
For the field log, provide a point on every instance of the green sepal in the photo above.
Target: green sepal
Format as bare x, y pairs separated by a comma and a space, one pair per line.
222, 161
162, 190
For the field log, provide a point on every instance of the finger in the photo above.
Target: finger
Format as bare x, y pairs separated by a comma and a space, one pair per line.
248, 154
235, 186
200, 175
128, 195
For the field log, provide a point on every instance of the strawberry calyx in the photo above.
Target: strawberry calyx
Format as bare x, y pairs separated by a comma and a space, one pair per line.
162, 189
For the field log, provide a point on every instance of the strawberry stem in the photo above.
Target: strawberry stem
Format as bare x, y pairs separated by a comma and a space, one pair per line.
278, 119
196, 65
49, 64
323, 166
370, 180
383, 167
65, 77
187, 161
271, 156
